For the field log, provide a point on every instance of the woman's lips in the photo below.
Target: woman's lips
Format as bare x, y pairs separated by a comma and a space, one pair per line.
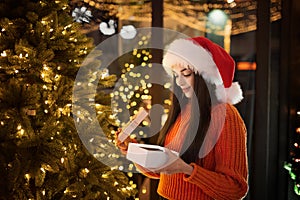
185, 90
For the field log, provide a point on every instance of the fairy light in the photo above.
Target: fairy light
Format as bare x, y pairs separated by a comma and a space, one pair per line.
167, 101
145, 123
43, 170
27, 177
45, 67
141, 133
3, 54
167, 85
68, 26
144, 190
22, 131
85, 172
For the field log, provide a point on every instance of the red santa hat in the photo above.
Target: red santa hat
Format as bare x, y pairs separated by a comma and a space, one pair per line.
210, 61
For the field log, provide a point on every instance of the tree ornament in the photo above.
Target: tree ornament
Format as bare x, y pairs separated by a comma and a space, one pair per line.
82, 15
108, 28
128, 32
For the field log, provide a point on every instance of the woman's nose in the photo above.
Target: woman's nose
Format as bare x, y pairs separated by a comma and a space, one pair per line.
180, 81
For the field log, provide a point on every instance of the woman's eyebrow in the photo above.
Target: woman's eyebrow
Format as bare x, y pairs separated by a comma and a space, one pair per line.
184, 69
181, 70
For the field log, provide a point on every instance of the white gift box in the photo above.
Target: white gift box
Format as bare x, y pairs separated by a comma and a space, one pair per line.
149, 156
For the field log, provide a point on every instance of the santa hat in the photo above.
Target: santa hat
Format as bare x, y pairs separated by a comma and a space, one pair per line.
210, 61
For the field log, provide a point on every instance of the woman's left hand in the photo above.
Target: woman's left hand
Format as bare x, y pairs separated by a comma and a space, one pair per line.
177, 166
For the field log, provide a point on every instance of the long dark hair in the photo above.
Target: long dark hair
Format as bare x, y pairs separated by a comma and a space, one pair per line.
204, 103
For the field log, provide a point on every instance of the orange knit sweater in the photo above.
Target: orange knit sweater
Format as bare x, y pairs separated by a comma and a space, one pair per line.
221, 174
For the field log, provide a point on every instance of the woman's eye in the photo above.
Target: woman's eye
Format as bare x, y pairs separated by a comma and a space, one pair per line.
187, 75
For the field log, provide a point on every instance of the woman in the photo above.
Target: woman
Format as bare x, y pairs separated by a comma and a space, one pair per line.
212, 146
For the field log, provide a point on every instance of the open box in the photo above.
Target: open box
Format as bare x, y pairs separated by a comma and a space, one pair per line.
149, 156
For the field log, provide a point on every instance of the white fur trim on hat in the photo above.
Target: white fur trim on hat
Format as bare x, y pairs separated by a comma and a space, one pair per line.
232, 95
187, 52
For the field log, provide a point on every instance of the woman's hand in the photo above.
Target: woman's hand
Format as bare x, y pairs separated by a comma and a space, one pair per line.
177, 166
123, 146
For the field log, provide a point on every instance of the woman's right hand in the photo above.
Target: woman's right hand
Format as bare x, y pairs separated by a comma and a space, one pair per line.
123, 146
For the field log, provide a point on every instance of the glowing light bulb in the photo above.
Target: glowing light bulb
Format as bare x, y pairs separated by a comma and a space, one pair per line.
3, 54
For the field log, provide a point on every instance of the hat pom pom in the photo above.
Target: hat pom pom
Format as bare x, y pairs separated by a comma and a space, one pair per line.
232, 95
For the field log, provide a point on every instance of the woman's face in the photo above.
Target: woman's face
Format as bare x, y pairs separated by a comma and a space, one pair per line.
184, 79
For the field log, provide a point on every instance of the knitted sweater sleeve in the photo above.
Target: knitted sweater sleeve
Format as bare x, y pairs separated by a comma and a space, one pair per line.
229, 179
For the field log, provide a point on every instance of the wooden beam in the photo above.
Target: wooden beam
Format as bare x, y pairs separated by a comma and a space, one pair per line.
259, 183
286, 39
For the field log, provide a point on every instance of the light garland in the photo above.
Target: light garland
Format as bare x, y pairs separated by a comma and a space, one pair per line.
191, 13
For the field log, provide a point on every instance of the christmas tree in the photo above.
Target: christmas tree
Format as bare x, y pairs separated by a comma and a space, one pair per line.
42, 156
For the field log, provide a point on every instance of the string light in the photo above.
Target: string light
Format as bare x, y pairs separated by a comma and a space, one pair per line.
43, 170
144, 190
27, 177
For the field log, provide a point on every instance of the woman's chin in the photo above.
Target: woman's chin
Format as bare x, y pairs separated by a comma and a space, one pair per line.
188, 95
